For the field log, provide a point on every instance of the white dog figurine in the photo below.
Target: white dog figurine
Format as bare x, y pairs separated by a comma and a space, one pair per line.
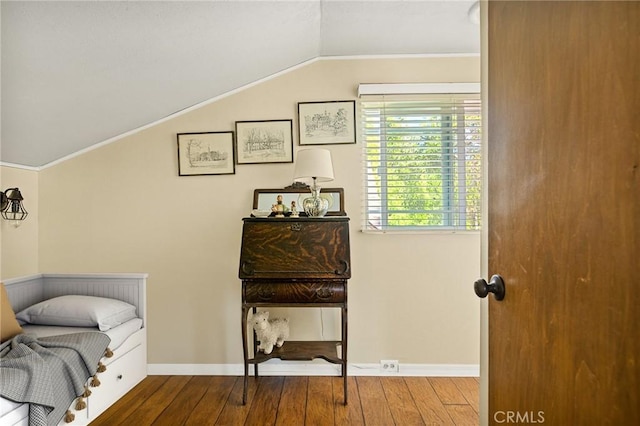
270, 331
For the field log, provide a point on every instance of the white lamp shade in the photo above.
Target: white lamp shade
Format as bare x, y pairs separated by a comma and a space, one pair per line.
313, 163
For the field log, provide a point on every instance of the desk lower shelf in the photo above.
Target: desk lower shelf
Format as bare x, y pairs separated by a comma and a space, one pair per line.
302, 351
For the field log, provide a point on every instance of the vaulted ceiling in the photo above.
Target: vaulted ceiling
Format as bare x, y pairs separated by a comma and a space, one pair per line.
75, 74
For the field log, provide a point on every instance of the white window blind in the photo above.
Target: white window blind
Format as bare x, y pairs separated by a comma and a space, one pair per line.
422, 161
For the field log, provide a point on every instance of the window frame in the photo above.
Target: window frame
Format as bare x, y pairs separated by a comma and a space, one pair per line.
453, 192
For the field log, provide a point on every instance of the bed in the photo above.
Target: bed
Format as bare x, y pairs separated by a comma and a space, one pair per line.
125, 361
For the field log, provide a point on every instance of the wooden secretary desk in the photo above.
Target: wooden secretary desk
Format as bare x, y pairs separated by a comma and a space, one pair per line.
295, 262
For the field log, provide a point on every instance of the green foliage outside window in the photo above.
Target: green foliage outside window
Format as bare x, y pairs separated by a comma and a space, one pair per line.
422, 165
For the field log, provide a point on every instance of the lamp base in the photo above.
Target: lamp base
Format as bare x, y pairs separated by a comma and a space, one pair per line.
315, 206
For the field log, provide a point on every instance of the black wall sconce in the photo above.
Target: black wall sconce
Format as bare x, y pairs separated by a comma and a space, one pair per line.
11, 206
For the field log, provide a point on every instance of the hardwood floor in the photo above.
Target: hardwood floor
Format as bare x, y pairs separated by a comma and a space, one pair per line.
294, 400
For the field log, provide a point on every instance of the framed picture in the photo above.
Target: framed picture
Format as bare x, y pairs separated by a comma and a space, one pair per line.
268, 141
209, 153
263, 199
327, 123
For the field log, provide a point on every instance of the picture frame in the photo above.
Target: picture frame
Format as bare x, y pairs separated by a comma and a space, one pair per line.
327, 123
263, 199
206, 153
265, 141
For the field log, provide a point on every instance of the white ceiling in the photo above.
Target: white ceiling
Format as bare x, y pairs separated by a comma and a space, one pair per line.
75, 74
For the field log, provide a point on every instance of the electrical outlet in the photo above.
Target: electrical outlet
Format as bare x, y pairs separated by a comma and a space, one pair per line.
389, 366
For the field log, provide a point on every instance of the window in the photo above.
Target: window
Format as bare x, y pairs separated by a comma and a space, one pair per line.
422, 161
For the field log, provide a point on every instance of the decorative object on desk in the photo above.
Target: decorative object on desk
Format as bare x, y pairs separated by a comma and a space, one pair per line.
294, 209
270, 332
325, 123
260, 213
314, 164
279, 208
11, 206
266, 141
324, 195
263, 198
209, 153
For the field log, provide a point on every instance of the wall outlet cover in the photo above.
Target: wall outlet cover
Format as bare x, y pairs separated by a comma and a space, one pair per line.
389, 366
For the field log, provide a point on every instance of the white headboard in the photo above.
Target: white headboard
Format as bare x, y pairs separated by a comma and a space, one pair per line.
131, 288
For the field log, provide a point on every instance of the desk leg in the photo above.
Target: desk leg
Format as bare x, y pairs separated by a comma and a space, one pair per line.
344, 351
245, 351
255, 346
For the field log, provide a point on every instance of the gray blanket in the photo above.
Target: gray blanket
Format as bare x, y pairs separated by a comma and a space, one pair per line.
50, 372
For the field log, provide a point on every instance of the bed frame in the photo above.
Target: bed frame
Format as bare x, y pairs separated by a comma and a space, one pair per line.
128, 365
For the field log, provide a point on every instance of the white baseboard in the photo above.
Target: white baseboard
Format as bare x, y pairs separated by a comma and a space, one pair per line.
276, 367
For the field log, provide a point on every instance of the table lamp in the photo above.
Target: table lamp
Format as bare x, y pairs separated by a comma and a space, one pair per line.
314, 164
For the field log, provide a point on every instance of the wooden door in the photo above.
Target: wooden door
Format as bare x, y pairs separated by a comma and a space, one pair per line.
564, 212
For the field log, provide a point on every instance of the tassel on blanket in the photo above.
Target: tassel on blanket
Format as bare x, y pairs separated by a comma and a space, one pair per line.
101, 367
87, 392
95, 382
80, 404
69, 417
108, 353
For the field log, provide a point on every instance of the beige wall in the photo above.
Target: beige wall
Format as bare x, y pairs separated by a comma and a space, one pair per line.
123, 208
19, 255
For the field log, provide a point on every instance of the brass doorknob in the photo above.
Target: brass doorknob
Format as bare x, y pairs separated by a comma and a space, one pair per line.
495, 286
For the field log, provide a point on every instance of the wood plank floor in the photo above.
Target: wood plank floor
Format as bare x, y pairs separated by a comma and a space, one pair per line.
314, 401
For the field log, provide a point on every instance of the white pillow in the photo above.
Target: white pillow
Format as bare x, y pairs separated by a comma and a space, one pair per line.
79, 311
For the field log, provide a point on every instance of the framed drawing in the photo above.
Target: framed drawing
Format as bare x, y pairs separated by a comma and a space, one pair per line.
267, 141
264, 199
209, 153
327, 123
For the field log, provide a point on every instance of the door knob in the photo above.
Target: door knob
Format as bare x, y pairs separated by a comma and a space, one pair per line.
495, 286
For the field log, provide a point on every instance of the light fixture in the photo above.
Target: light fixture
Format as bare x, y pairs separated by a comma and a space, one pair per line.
11, 206
314, 164
474, 13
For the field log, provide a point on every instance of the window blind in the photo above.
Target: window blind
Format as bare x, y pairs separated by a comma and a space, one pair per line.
422, 161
